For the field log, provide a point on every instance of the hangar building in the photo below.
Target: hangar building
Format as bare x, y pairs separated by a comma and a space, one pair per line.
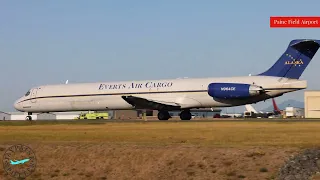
35, 116
4, 116
67, 115
312, 104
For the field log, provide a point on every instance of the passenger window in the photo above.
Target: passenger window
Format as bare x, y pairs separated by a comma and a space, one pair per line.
27, 94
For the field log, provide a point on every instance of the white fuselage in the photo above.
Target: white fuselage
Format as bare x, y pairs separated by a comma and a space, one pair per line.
188, 93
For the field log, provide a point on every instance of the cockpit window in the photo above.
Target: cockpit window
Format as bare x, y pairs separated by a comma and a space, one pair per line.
27, 94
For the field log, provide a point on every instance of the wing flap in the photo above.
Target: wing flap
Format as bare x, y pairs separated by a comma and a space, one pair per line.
144, 103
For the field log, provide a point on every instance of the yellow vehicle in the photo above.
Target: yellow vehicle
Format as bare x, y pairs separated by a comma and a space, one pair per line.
93, 115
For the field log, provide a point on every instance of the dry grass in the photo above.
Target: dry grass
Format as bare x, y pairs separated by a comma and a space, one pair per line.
109, 161
161, 150
225, 134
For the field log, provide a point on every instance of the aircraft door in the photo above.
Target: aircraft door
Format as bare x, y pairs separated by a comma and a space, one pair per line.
34, 95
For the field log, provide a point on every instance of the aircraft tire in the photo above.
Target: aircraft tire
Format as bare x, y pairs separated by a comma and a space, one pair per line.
163, 115
29, 118
185, 115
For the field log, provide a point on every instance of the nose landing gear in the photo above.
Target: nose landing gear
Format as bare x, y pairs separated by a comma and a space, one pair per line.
29, 117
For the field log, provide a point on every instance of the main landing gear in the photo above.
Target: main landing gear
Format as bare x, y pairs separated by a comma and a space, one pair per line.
163, 115
184, 115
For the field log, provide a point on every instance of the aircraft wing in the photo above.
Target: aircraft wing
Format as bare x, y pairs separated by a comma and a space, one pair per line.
150, 103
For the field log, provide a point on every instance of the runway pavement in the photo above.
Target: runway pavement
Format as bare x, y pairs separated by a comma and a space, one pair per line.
212, 120
158, 121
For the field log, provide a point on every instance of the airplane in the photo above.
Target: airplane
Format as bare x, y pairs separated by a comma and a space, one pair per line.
18, 161
233, 115
276, 110
251, 112
176, 94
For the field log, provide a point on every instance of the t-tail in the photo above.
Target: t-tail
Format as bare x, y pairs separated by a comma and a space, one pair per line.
294, 60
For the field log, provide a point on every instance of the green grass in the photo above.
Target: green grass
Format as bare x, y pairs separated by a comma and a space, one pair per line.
295, 134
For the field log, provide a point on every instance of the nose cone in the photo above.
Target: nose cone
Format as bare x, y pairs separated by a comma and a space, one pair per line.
18, 105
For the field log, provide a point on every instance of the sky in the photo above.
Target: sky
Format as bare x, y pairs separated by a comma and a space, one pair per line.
49, 42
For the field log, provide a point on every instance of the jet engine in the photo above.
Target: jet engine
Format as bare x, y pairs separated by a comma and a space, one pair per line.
233, 90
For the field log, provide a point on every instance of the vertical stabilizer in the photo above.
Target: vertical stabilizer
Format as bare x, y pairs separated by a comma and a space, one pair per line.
250, 108
276, 110
294, 60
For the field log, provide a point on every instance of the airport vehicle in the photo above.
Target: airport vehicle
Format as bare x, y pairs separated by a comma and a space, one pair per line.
93, 115
176, 94
293, 112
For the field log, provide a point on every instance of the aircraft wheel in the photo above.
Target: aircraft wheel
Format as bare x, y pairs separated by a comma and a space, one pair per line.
163, 115
28, 118
185, 115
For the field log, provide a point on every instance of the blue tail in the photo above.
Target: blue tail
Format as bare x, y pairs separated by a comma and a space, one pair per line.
294, 60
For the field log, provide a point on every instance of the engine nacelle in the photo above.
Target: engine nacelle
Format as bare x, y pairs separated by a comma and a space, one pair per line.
233, 90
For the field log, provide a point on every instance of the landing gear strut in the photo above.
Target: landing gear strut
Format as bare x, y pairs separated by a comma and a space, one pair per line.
185, 115
163, 115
